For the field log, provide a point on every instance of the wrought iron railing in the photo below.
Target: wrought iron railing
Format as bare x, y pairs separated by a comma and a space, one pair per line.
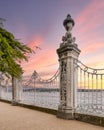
45, 93
41, 92
90, 91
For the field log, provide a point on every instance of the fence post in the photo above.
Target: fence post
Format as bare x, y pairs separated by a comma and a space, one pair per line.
67, 52
1, 88
0, 91
16, 91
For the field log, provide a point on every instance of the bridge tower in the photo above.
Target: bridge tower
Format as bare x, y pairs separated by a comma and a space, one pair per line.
68, 53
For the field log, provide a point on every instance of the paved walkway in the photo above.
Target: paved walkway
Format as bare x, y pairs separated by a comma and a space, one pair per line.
18, 118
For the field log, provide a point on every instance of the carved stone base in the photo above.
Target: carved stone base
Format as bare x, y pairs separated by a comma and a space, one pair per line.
66, 113
14, 103
67, 116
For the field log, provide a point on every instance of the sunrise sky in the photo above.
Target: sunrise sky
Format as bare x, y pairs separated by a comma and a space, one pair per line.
40, 23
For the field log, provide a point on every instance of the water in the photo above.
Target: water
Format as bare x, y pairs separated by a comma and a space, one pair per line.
42, 99
92, 101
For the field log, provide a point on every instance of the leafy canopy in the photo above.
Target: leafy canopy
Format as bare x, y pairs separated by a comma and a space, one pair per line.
11, 53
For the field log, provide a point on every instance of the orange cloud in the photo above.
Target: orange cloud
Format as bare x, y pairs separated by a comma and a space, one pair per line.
97, 64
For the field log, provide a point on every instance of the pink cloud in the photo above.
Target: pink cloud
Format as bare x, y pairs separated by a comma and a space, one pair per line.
91, 12
92, 47
89, 20
87, 23
35, 42
39, 61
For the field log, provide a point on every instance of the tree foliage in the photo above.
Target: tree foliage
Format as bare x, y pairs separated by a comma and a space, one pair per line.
11, 53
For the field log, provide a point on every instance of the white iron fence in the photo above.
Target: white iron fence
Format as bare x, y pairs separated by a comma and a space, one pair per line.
39, 92
46, 93
90, 91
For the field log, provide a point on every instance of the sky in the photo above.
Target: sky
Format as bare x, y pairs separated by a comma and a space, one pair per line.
40, 23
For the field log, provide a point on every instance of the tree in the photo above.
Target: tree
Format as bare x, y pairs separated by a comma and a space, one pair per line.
11, 53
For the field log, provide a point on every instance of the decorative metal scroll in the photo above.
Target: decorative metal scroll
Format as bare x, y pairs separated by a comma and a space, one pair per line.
41, 92
90, 91
88, 69
63, 92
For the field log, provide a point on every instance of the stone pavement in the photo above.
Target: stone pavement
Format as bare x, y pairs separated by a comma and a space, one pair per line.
18, 118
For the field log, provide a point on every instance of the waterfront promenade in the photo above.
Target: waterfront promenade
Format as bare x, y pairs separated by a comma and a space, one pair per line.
19, 118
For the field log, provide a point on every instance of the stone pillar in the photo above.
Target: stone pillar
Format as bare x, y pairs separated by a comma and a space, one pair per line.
1, 84
0, 91
68, 52
16, 91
